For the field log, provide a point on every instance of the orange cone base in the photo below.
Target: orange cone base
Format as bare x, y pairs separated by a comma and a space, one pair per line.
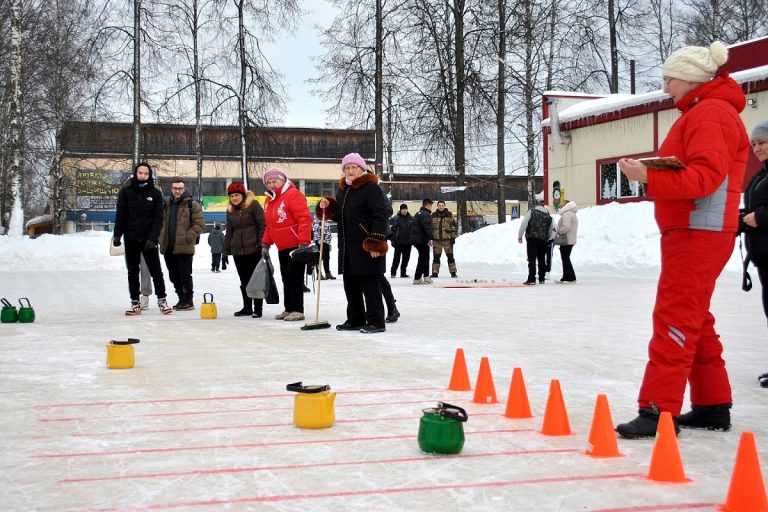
518, 406
666, 463
459, 375
747, 490
602, 437
485, 391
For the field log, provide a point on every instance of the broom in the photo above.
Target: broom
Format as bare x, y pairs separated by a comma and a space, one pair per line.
318, 324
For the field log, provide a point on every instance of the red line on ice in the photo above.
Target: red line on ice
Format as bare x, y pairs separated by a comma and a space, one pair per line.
220, 398
202, 472
651, 508
232, 427
254, 445
398, 490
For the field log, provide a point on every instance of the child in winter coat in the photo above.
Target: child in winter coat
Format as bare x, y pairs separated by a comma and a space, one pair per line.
216, 241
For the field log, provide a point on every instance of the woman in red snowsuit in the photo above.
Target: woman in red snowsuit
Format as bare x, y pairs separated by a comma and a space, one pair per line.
696, 209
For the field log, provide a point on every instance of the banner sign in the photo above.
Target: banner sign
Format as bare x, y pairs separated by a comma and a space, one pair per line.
97, 190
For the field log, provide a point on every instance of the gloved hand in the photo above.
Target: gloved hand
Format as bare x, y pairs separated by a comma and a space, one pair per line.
116, 242
149, 245
453, 241
264, 251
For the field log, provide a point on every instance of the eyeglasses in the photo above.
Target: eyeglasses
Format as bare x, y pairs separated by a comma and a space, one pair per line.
178, 188
667, 79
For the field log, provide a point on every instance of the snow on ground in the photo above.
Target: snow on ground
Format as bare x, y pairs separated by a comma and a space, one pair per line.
203, 422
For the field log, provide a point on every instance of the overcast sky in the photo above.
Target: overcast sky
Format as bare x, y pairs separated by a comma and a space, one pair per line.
294, 56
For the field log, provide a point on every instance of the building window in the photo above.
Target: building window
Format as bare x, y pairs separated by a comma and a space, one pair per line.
615, 186
320, 188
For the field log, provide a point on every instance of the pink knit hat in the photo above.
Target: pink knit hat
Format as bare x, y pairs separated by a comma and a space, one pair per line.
354, 158
275, 172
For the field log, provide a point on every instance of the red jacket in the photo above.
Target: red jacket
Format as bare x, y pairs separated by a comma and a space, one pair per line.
710, 139
289, 223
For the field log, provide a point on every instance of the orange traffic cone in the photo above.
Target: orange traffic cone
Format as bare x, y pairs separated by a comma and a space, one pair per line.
459, 375
666, 464
747, 489
485, 391
555, 416
517, 400
602, 438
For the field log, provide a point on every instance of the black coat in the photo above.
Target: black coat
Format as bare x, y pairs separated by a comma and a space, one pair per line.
421, 229
756, 200
362, 212
139, 212
401, 228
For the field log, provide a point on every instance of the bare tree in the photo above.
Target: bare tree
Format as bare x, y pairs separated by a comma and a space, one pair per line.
729, 22
16, 224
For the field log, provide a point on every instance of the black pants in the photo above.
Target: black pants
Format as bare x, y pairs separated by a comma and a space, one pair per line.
180, 273
293, 281
327, 258
386, 291
245, 266
422, 266
550, 250
565, 254
536, 250
215, 260
134, 250
762, 274
403, 250
364, 304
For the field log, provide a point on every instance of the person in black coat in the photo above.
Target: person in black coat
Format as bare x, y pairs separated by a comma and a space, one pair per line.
361, 211
401, 240
755, 217
138, 219
421, 238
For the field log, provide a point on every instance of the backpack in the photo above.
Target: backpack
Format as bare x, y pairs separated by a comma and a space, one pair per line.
538, 225
189, 204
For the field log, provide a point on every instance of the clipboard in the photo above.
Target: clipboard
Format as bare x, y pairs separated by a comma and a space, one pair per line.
662, 162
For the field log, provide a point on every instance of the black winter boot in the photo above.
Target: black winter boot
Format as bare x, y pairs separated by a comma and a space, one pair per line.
394, 314
709, 417
644, 426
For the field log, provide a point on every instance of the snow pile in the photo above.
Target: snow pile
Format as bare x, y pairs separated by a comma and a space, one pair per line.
614, 238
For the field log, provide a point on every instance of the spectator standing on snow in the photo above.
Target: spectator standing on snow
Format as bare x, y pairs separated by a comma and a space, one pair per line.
697, 210
289, 226
444, 233
182, 225
421, 238
537, 228
755, 220
138, 219
216, 241
362, 212
401, 241
245, 229
568, 225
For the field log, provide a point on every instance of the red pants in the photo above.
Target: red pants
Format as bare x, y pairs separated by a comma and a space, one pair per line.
685, 346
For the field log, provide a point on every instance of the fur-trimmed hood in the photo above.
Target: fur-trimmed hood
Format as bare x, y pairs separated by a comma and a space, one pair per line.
567, 207
361, 180
249, 199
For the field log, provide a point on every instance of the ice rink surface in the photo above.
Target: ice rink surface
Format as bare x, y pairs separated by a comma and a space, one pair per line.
203, 421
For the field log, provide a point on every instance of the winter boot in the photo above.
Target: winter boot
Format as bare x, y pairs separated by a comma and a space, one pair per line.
164, 307
372, 329
244, 312
185, 304
434, 275
144, 301
257, 307
394, 314
763, 380
134, 310
709, 417
282, 315
644, 426
454, 275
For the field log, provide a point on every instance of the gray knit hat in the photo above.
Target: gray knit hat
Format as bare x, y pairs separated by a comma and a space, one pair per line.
760, 132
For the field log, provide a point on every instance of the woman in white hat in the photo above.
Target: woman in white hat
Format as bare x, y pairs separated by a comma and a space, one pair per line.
696, 209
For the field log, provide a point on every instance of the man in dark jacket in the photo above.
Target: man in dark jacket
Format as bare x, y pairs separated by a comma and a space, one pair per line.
444, 231
401, 240
182, 223
139, 217
421, 238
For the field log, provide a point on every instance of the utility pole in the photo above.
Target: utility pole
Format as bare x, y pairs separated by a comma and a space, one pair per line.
136, 81
379, 118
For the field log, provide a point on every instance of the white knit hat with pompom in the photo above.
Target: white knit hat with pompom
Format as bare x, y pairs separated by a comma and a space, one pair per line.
696, 63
